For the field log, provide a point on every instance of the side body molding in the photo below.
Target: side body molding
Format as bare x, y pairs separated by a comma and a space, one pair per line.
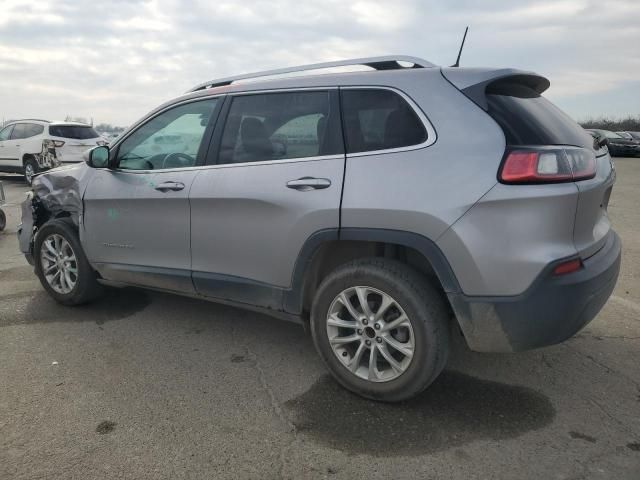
271, 299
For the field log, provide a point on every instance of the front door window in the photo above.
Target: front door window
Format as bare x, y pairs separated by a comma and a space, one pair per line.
169, 140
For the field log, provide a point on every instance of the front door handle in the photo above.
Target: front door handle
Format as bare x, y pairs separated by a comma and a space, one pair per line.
170, 186
306, 184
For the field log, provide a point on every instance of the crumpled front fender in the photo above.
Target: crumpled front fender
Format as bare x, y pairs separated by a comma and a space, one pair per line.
56, 193
26, 228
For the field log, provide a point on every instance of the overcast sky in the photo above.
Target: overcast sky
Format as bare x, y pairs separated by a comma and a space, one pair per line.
114, 61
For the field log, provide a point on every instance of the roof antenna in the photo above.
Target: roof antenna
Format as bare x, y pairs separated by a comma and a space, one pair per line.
457, 64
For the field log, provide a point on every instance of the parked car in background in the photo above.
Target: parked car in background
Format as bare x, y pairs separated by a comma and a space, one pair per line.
619, 146
329, 200
109, 137
30, 146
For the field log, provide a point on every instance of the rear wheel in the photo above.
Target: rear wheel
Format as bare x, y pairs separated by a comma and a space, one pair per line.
380, 328
30, 169
3, 220
61, 265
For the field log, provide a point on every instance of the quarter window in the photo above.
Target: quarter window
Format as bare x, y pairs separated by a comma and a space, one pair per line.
169, 140
33, 129
377, 119
277, 126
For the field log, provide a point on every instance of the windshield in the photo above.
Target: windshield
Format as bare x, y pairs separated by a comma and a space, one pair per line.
76, 132
609, 134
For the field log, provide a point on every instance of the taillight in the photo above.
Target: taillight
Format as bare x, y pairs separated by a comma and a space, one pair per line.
547, 165
52, 143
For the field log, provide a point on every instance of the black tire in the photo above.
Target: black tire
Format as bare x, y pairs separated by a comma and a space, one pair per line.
30, 162
423, 304
3, 220
86, 287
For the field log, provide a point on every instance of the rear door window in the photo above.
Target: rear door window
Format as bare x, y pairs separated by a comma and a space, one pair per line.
75, 132
19, 131
378, 119
279, 126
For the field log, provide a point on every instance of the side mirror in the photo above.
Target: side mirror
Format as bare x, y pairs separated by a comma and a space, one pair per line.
97, 157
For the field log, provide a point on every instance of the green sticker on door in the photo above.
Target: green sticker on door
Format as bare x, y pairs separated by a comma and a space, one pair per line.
113, 213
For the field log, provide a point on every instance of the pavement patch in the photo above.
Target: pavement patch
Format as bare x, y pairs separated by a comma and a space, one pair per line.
582, 436
18, 274
105, 427
455, 410
236, 358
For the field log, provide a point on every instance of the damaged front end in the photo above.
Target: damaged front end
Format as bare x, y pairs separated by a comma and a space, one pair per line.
55, 194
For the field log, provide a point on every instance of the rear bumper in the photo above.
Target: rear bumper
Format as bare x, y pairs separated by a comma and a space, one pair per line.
552, 310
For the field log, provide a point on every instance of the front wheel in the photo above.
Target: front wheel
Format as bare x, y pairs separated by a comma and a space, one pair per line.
61, 265
380, 328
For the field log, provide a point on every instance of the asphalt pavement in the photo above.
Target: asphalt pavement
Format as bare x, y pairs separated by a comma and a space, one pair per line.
144, 385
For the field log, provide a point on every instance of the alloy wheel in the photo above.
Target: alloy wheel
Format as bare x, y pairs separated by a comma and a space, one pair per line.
59, 263
370, 334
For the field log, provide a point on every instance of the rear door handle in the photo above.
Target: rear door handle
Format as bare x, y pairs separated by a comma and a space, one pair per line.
170, 186
306, 184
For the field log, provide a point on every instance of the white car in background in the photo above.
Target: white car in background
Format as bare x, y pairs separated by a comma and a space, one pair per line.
31, 146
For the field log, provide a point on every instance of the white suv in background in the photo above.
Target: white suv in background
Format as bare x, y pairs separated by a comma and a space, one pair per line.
30, 146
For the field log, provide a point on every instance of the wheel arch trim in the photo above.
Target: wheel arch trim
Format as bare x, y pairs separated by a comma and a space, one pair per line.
293, 298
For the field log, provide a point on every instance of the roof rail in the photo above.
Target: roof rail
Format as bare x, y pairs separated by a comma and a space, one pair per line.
389, 62
27, 120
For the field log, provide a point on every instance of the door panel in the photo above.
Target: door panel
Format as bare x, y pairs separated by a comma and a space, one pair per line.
278, 180
136, 220
9, 152
136, 231
247, 223
8, 148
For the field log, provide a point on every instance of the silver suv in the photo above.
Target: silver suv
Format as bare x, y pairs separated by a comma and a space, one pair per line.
379, 208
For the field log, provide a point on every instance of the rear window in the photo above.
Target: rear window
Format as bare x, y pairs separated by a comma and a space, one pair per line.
527, 118
72, 131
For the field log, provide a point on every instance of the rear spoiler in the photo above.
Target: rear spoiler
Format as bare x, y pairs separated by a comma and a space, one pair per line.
473, 82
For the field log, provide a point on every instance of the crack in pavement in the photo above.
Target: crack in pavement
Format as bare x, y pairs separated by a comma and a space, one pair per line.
601, 365
591, 461
275, 405
626, 302
623, 426
601, 337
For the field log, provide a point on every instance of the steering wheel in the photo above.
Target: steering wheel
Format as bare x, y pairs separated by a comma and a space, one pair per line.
177, 156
